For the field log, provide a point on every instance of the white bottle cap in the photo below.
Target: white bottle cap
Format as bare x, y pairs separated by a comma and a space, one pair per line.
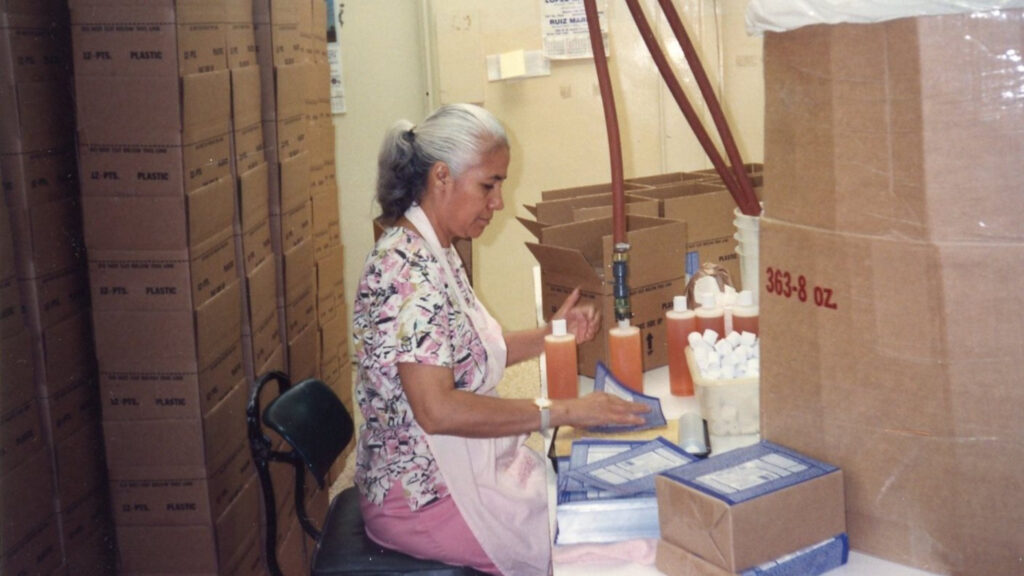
679, 303
745, 298
558, 327
623, 324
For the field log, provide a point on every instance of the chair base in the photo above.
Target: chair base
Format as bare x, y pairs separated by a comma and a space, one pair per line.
346, 549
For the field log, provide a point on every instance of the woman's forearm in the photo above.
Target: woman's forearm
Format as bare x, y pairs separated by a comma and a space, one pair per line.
525, 344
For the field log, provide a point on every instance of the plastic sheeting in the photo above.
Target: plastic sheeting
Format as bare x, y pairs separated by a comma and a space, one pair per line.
782, 15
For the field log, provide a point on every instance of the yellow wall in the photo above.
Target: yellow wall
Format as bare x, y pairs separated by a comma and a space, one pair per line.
555, 123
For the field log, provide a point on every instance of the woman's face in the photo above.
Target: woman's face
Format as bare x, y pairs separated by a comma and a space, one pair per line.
469, 202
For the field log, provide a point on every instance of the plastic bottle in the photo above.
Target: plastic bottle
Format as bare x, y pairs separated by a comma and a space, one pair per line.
679, 323
745, 314
625, 356
710, 316
560, 362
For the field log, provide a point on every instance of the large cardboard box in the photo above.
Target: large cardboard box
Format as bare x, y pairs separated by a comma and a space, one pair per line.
299, 289
178, 498
37, 116
17, 366
892, 243
263, 321
155, 39
580, 254
153, 136
169, 361
50, 299
38, 177
750, 505
707, 210
34, 48
330, 283
589, 190
26, 500
47, 237
184, 447
21, 433
201, 549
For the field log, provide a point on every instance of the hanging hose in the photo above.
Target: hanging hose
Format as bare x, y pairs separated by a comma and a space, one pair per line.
751, 207
620, 260
745, 201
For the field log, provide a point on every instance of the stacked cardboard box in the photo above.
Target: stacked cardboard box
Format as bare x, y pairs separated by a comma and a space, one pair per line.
157, 163
304, 213
52, 485
892, 241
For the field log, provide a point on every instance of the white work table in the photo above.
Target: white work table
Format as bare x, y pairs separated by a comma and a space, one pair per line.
656, 384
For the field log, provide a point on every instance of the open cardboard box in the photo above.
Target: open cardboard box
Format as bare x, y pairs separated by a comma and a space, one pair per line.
580, 255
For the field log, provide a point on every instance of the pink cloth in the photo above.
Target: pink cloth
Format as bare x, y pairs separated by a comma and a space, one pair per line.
436, 531
627, 552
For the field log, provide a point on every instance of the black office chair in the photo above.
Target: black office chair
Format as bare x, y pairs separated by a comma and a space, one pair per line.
315, 424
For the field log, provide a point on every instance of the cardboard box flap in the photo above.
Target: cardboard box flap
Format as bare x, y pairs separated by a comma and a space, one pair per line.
534, 228
635, 206
568, 264
531, 208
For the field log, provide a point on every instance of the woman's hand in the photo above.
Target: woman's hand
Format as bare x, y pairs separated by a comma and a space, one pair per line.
581, 320
597, 409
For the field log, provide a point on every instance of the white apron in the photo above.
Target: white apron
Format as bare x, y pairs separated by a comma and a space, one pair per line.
498, 484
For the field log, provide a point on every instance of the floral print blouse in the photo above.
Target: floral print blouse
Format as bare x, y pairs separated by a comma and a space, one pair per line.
405, 312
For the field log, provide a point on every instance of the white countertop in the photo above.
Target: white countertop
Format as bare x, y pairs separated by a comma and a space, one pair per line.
656, 384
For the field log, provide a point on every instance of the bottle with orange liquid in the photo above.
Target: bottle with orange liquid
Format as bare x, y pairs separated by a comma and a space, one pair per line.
560, 362
680, 321
625, 355
710, 315
745, 314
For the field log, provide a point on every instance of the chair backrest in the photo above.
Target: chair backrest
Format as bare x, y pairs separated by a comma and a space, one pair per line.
314, 422
316, 426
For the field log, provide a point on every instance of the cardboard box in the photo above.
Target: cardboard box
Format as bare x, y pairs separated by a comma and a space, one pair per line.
22, 434
294, 184
47, 237
182, 279
85, 517
38, 177
263, 297
707, 210
201, 549
817, 559
159, 222
153, 136
80, 470
330, 284
246, 96
750, 505
903, 160
66, 411
278, 12
12, 311
27, 499
299, 290
170, 39
180, 341
332, 338
181, 500
64, 355
37, 116
241, 41
17, 366
176, 448
93, 553
139, 391
580, 254
754, 170
50, 299
277, 45
247, 147
39, 553
304, 354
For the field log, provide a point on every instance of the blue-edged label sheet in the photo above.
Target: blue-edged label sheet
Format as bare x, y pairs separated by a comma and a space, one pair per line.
604, 381
632, 471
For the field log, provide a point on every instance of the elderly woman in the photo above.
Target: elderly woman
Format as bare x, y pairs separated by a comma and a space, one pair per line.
441, 465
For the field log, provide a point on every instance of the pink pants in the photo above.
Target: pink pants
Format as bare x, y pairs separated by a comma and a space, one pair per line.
436, 531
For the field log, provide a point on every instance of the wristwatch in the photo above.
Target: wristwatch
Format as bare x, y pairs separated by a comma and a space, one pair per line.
544, 405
